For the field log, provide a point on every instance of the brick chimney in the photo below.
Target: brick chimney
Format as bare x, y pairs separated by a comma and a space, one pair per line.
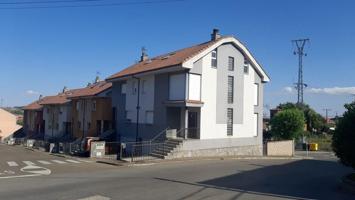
144, 55
215, 34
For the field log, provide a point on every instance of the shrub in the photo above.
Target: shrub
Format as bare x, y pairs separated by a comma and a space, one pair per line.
287, 124
344, 137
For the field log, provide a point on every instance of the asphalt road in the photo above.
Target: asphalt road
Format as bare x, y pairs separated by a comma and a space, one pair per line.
72, 178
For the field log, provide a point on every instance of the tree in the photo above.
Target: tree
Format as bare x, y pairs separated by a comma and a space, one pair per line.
344, 137
287, 124
314, 121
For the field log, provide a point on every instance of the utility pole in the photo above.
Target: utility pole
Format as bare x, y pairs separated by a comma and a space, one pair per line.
300, 44
326, 113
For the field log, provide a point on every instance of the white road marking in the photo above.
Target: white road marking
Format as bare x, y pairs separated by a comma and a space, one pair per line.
12, 164
36, 170
28, 162
87, 161
58, 161
21, 176
96, 197
44, 162
72, 161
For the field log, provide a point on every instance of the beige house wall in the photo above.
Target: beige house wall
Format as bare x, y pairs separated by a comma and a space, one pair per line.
8, 124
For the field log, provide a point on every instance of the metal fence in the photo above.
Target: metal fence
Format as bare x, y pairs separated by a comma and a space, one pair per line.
133, 151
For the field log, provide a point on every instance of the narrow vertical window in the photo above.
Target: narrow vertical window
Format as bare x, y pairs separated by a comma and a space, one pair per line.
256, 124
231, 63
256, 94
214, 58
246, 67
229, 121
230, 89
144, 85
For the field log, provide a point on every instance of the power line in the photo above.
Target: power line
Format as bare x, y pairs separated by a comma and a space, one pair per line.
300, 44
45, 2
94, 5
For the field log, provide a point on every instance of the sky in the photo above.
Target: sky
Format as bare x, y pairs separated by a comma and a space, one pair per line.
44, 49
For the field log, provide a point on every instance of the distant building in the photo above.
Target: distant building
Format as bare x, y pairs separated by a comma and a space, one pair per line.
8, 124
33, 123
92, 114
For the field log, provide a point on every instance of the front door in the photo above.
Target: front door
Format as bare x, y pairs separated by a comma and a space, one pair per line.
192, 125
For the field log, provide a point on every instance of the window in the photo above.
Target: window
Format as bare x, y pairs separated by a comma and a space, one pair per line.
194, 87
144, 85
256, 124
78, 105
94, 106
134, 87
214, 58
246, 67
256, 94
149, 115
231, 63
229, 121
123, 88
177, 86
230, 89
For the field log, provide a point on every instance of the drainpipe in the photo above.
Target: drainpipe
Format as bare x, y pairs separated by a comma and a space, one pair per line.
52, 121
138, 107
84, 106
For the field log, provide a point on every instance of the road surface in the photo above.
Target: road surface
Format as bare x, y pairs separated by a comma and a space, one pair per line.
26, 174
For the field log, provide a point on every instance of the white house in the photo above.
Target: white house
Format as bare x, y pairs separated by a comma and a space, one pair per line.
57, 116
210, 93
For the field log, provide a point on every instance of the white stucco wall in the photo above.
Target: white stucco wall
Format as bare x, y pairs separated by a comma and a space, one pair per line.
62, 113
209, 128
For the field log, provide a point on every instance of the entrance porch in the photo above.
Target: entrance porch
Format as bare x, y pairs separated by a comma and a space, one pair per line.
185, 119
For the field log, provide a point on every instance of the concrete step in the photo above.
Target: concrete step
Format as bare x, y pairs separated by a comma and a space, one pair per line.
161, 152
165, 148
157, 155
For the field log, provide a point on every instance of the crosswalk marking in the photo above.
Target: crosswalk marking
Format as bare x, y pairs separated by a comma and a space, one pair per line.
28, 162
44, 162
58, 161
72, 161
12, 164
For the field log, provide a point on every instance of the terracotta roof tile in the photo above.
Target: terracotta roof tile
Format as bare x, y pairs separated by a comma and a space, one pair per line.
33, 106
163, 61
91, 90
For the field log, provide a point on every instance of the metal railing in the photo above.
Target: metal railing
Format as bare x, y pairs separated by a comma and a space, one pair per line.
187, 133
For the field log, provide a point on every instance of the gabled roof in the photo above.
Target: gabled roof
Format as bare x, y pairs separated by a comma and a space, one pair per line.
61, 98
64, 97
166, 60
186, 57
91, 90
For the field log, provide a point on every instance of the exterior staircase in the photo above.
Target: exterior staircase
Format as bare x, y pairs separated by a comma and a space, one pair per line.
162, 150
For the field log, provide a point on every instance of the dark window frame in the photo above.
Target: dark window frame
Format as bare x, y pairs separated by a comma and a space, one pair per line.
231, 63
214, 58
229, 121
230, 89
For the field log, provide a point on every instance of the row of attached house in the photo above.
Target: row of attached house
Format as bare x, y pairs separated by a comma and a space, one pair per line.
210, 95
71, 114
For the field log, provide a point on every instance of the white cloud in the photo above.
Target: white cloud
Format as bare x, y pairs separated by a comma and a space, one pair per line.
289, 89
32, 92
332, 90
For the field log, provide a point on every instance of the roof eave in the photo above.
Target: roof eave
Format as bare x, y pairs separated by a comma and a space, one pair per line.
190, 61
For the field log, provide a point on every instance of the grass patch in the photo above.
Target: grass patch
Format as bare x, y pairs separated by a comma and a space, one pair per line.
324, 141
